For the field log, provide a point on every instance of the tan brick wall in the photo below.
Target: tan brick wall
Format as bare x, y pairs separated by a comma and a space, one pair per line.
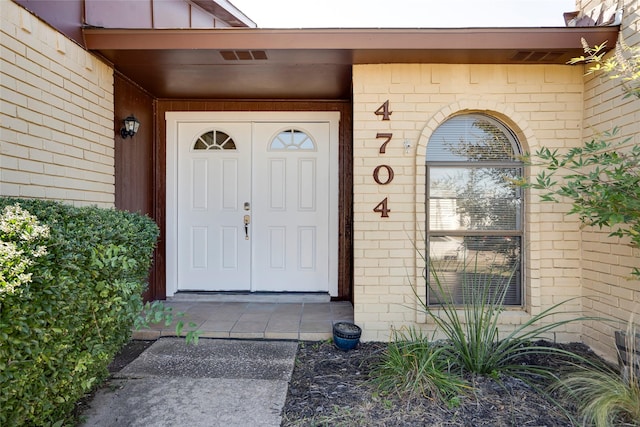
56, 130
542, 104
607, 262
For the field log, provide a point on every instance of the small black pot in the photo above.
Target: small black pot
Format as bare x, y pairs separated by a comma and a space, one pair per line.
346, 336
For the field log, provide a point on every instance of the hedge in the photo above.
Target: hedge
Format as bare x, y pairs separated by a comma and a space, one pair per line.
61, 326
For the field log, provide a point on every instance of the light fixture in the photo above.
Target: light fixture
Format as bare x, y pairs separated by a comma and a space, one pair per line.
131, 125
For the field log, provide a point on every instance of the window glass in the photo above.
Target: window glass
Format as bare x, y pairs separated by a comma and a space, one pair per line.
472, 138
474, 212
473, 198
464, 269
214, 140
292, 139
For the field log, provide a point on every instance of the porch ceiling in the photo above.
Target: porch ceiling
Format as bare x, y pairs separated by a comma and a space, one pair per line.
241, 63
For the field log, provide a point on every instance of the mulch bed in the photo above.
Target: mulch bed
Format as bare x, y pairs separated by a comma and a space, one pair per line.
331, 387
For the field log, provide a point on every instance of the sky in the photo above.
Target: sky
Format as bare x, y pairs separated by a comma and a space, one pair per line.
405, 13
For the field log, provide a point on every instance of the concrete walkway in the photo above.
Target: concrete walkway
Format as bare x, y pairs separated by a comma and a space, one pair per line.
218, 382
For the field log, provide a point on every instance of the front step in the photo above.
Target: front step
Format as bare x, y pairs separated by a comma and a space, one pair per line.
267, 297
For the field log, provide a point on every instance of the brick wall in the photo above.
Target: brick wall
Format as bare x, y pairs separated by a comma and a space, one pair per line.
56, 130
606, 261
542, 104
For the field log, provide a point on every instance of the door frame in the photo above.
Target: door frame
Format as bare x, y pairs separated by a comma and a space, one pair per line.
172, 118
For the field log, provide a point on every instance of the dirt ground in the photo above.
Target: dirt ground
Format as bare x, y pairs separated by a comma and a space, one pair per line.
128, 354
330, 387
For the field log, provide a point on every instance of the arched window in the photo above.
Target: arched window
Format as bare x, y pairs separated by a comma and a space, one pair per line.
474, 212
292, 139
214, 140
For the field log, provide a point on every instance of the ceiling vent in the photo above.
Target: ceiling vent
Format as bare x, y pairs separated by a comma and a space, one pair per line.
243, 55
537, 56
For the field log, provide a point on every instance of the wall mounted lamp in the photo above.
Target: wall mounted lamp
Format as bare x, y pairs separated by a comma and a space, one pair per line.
131, 125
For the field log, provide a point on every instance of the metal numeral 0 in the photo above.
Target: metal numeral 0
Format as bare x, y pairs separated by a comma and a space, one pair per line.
376, 174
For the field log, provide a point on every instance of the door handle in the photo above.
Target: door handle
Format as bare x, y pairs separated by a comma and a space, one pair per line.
247, 221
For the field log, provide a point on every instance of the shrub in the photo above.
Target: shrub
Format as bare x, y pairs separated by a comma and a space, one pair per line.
603, 183
472, 329
21, 242
604, 396
67, 310
623, 66
602, 178
472, 343
412, 365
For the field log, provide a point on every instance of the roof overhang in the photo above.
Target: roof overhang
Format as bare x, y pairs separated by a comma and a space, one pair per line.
249, 63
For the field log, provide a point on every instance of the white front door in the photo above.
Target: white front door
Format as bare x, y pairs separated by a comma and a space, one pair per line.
255, 203
291, 207
214, 182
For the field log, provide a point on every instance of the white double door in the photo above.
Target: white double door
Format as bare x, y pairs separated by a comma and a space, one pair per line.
254, 206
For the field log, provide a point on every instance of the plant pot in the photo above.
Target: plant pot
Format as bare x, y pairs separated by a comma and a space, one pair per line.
346, 336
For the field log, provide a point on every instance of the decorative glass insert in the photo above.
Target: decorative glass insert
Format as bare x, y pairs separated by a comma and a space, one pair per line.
292, 139
214, 140
474, 212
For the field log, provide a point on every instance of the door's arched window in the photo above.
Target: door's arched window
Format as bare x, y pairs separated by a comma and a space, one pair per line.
214, 140
292, 139
474, 212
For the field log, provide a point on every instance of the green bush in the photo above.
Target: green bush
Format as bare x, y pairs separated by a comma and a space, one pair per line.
414, 366
603, 395
70, 309
472, 329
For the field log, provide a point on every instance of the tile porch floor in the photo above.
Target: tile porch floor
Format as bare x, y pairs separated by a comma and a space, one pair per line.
311, 321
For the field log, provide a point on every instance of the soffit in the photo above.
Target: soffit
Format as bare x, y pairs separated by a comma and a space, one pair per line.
314, 63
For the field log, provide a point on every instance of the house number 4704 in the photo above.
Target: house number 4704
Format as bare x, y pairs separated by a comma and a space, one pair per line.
383, 174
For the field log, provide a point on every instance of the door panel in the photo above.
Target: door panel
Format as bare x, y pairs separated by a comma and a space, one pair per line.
307, 185
277, 188
291, 207
213, 183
